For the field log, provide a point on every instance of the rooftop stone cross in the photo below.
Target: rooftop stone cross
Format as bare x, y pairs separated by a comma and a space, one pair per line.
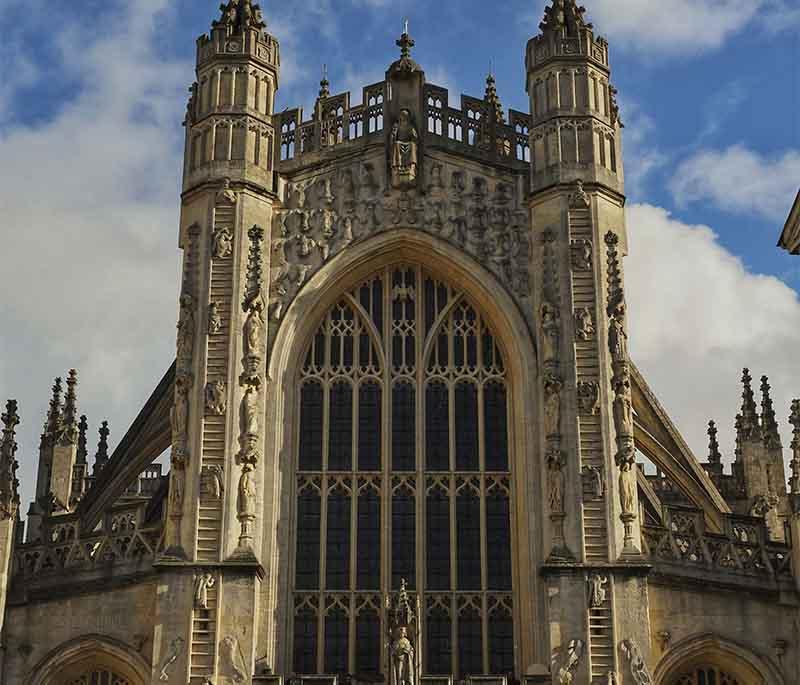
406, 42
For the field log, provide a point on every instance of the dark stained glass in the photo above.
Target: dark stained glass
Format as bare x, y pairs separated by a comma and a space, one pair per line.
404, 539
470, 643
311, 427
439, 642
340, 438
468, 527
368, 568
369, 427
437, 427
498, 542
467, 457
308, 541
305, 642
337, 554
368, 645
404, 427
438, 541
336, 642
495, 412
501, 643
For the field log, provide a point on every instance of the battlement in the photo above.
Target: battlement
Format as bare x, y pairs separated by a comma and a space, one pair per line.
473, 131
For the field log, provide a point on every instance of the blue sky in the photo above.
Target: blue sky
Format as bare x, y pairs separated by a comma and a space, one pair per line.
91, 143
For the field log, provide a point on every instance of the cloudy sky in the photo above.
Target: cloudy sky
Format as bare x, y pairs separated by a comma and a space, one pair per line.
91, 148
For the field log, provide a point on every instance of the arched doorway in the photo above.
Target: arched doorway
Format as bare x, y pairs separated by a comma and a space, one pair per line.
712, 660
92, 660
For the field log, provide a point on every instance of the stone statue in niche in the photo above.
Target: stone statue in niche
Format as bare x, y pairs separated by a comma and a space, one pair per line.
627, 485
584, 324
402, 659
436, 183
216, 398
211, 482
552, 405
551, 328
185, 341
246, 501
617, 337
214, 319
254, 332
404, 151
202, 584
597, 590
179, 415
623, 410
555, 481
176, 494
222, 243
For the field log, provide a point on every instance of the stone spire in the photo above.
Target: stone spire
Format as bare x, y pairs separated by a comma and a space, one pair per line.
9, 485
714, 466
769, 425
564, 19
492, 99
749, 423
239, 16
69, 426
83, 427
101, 458
794, 419
53, 423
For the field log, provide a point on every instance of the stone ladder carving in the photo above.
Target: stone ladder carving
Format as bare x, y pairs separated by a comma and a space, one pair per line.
209, 524
584, 297
204, 628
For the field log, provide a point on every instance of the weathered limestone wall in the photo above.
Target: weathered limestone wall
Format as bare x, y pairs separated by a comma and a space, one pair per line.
766, 627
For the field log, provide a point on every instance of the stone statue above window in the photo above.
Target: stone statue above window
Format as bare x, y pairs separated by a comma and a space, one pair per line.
404, 151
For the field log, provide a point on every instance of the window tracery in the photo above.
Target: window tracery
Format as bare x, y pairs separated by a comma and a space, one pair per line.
403, 473
708, 675
100, 677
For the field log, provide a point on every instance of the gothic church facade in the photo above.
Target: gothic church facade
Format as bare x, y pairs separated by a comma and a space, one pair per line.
407, 443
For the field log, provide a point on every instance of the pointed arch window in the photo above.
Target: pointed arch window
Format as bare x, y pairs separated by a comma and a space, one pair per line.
404, 472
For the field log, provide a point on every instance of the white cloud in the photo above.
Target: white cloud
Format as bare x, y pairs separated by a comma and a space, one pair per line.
89, 233
683, 27
698, 317
740, 180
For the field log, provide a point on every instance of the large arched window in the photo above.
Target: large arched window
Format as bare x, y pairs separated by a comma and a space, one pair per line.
403, 473
100, 677
708, 675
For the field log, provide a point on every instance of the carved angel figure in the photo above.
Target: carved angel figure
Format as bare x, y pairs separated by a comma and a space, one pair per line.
555, 482
222, 243
202, 584
597, 590
214, 319
404, 151
216, 398
211, 482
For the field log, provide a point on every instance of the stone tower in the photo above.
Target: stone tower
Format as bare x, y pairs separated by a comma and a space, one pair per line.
213, 533
579, 240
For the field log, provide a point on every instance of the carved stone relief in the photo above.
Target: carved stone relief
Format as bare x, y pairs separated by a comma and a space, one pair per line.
403, 150
638, 667
232, 659
174, 652
582, 255
565, 662
211, 482
202, 583
593, 483
222, 243
584, 324
589, 397
597, 590
323, 215
216, 398
214, 319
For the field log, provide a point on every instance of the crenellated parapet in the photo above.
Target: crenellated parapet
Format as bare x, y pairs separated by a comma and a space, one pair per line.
477, 130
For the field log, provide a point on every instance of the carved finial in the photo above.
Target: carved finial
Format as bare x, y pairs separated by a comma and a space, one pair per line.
9, 485
493, 99
564, 19
794, 419
405, 43
714, 456
69, 425
83, 427
324, 84
101, 458
769, 424
53, 423
749, 422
